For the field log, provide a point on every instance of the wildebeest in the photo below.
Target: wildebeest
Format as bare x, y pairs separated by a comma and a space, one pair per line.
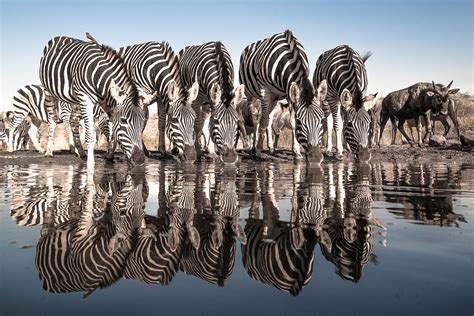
450, 110
421, 99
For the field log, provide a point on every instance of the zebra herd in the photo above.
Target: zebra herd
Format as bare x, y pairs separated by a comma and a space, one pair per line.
197, 100
195, 95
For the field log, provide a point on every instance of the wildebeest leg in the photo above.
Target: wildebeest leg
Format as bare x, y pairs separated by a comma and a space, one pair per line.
446, 126
454, 117
394, 121
382, 122
401, 128
428, 135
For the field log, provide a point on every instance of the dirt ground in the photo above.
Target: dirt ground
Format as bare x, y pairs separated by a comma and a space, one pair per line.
402, 153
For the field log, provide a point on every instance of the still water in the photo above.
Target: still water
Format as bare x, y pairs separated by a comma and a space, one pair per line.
260, 238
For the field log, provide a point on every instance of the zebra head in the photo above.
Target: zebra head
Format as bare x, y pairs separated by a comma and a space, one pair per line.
224, 121
128, 120
357, 121
180, 120
309, 116
439, 98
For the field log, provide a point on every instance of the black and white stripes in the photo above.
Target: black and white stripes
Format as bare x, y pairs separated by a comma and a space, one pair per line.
277, 68
346, 77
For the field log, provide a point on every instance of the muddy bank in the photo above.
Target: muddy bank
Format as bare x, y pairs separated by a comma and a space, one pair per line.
401, 153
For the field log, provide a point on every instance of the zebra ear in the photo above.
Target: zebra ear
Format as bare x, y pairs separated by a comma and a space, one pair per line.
239, 232
295, 92
194, 236
346, 98
193, 92
116, 92
173, 91
173, 238
216, 93
325, 240
238, 94
322, 91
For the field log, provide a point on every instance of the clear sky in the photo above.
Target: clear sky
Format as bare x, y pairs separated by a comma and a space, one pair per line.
411, 41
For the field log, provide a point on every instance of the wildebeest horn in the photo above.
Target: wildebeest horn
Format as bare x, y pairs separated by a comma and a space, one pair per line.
449, 85
434, 87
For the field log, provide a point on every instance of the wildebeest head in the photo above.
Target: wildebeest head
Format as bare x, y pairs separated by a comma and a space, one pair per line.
438, 97
357, 121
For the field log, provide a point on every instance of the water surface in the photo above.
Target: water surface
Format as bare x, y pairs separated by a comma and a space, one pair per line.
260, 238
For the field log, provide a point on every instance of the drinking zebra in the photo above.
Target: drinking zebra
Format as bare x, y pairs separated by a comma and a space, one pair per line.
276, 68
154, 69
344, 70
211, 66
89, 74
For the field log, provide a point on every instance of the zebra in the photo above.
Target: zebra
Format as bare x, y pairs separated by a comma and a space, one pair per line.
154, 69
89, 74
344, 70
29, 101
277, 68
210, 64
29, 105
20, 138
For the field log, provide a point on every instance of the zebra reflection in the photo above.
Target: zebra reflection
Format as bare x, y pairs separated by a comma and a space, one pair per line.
161, 239
90, 252
277, 253
218, 226
350, 229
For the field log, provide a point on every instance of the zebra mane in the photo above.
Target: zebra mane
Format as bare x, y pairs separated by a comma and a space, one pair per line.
224, 75
357, 98
173, 61
112, 54
366, 56
307, 91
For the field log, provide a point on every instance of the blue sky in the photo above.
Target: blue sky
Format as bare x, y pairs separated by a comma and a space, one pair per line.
411, 41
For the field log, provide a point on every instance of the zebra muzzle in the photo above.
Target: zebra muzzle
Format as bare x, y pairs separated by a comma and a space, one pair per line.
137, 157
228, 155
189, 153
362, 154
314, 154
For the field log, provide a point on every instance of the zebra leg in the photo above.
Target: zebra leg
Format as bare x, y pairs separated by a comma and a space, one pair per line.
33, 133
51, 105
147, 115
87, 111
72, 124
338, 126
329, 126
295, 144
270, 124
161, 127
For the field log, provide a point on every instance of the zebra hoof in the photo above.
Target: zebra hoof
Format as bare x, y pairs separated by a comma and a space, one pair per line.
339, 156
49, 155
